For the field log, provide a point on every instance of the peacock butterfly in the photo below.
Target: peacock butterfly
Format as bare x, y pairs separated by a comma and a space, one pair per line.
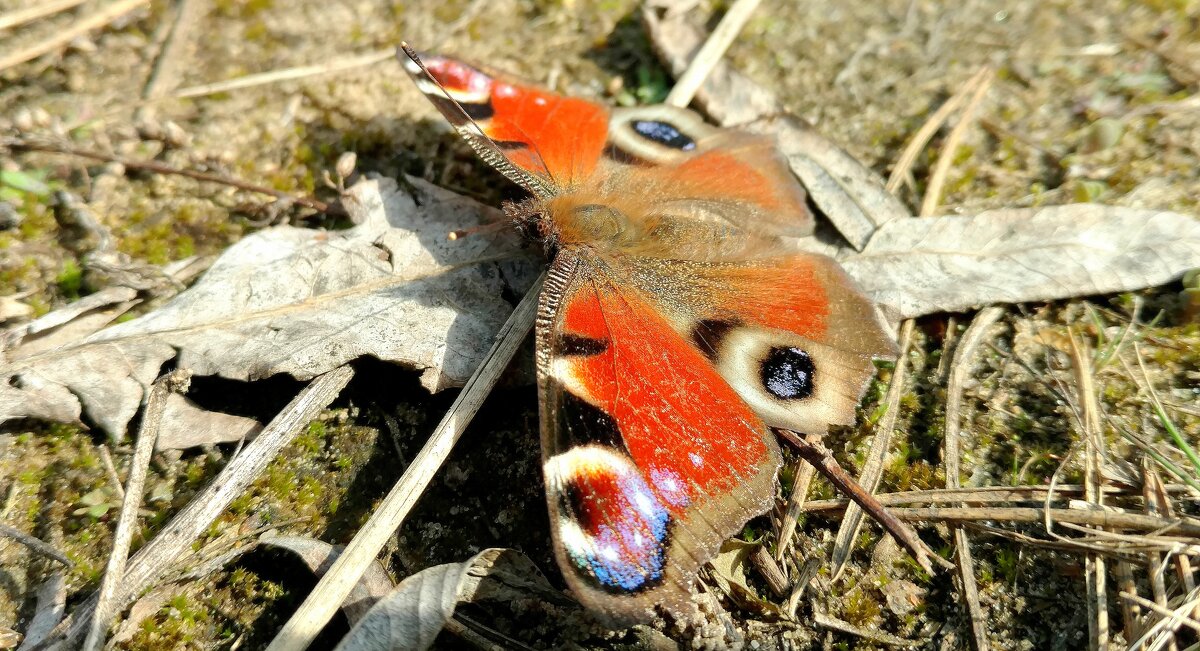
676, 326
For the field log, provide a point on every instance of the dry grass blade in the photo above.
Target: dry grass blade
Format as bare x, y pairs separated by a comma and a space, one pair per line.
173, 542
960, 370
923, 135
804, 473
937, 180
1172, 620
1130, 612
40, 9
711, 53
872, 470
84, 25
286, 74
322, 603
1094, 566
1135, 522
1154, 559
173, 39
131, 502
980, 495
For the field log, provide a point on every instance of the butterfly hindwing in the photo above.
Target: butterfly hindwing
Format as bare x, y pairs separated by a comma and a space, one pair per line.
652, 459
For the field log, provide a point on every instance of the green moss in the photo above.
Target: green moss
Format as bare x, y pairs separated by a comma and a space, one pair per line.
70, 279
861, 608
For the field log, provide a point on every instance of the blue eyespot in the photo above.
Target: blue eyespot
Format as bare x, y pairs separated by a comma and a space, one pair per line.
663, 133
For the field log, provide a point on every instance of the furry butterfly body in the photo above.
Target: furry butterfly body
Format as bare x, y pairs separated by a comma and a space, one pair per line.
676, 327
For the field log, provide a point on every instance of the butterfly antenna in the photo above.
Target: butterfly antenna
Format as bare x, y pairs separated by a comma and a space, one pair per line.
484, 147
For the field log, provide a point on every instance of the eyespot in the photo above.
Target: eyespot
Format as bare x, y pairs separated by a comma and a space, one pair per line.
612, 525
787, 373
663, 133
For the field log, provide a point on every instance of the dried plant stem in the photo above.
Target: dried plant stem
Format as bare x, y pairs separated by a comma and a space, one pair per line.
111, 468
52, 147
871, 635
804, 473
1153, 558
1175, 615
132, 501
960, 371
923, 135
937, 180
1135, 522
325, 599
980, 495
711, 53
34, 544
79, 28
38, 10
872, 470
285, 74
172, 41
1094, 566
173, 541
822, 459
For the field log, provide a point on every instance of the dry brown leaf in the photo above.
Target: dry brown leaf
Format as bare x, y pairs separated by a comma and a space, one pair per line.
298, 301
419, 608
186, 425
951, 264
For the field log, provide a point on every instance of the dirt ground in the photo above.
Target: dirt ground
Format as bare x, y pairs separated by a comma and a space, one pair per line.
1093, 101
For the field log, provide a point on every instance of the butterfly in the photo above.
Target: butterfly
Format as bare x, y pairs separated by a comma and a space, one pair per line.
677, 326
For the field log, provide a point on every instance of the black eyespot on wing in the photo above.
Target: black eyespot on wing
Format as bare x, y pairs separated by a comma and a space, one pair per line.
708, 335
575, 346
663, 133
787, 373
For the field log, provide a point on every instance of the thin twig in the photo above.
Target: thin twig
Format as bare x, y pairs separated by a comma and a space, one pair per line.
25, 144
175, 539
770, 571
960, 370
923, 135
1037, 514
325, 599
34, 544
132, 501
822, 459
937, 180
40, 9
872, 470
1154, 558
711, 53
79, 28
